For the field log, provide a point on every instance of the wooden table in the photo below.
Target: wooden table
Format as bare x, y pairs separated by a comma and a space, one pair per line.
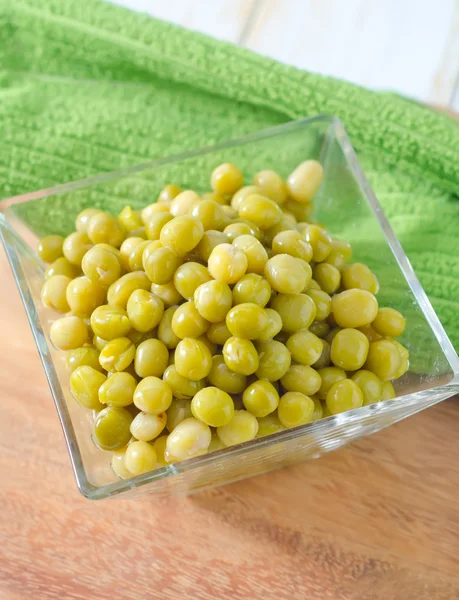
377, 520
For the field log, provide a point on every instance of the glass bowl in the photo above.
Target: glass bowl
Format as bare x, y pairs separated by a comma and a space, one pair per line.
348, 207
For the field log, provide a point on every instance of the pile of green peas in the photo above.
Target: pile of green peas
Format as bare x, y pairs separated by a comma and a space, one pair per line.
205, 321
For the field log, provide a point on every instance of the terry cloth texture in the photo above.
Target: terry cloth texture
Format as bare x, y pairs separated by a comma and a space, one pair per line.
89, 87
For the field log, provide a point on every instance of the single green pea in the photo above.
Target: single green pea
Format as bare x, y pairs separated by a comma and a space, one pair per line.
101, 266
84, 296
252, 288
50, 248
213, 299
247, 320
118, 390
130, 219
243, 427
111, 428
140, 457
117, 354
261, 398
193, 359
84, 356
104, 228
68, 333
223, 378
84, 386
302, 378
344, 395
53, 293
109, 322
305, 347
295, 409
213, 407
151, 358
62, 266
274, 360
144, 310
240, 356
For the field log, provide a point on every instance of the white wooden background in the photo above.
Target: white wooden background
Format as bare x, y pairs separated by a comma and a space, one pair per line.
408, 46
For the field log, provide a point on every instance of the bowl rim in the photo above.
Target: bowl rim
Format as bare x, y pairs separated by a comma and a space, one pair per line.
11, 239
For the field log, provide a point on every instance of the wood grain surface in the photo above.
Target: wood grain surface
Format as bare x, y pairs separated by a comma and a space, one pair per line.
377, 520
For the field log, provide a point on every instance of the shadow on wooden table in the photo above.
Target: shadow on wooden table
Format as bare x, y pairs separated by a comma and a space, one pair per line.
377, 519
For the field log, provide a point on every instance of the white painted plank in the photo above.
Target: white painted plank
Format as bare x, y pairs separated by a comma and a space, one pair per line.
446, 79
395, 44
408, 46
223, 19
455, 102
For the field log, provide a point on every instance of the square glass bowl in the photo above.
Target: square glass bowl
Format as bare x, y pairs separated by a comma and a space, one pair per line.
349, 209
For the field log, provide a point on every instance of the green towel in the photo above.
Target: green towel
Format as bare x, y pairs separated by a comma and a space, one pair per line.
90, 87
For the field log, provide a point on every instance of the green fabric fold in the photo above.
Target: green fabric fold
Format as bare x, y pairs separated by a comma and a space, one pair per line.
90, 87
